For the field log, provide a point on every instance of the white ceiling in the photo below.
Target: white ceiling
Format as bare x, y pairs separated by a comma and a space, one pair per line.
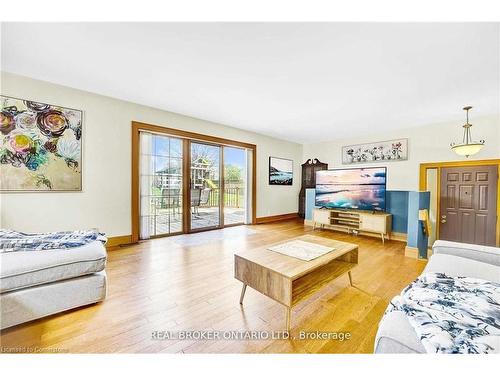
303, 82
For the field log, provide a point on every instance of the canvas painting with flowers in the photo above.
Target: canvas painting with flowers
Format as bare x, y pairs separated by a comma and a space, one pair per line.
40, 146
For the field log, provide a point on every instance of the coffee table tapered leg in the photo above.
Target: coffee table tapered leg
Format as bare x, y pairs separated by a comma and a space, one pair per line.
350, 277
288, 318
243, 293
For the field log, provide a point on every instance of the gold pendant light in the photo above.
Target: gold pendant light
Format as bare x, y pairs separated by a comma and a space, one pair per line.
468, 146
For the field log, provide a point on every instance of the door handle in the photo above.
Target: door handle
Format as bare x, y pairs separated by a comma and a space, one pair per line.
443, 221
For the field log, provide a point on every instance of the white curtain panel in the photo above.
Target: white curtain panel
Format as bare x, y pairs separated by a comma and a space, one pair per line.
146, 171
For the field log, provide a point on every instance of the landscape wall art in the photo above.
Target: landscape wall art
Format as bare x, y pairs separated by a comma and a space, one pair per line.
394, 150
40, 146
280, 171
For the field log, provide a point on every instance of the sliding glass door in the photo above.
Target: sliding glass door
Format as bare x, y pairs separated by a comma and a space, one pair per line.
235, 171
161, 184
186, 185
205, 186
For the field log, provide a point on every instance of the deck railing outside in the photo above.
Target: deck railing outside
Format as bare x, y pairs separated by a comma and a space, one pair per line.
233, 197
234, 194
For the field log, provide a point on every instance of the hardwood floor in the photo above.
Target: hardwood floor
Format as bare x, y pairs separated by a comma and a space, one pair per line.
186, 283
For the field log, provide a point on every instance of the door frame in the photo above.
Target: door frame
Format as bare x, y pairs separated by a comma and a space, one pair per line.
137, 127
461, 163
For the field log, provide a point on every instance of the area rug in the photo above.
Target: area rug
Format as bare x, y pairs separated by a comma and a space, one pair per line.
301, 249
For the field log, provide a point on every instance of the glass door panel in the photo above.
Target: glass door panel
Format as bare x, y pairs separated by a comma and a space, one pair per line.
205, 186
234, 185
160, 185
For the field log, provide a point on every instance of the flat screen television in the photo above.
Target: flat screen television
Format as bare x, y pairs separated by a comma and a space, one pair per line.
357, 188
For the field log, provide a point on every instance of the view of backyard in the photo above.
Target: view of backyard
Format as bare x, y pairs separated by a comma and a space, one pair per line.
164, 181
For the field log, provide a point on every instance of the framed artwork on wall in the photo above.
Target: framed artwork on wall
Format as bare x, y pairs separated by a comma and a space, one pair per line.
394, 150
40, 147
280, 171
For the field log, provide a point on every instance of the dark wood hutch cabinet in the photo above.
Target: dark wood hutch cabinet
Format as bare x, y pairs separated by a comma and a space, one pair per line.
309, 169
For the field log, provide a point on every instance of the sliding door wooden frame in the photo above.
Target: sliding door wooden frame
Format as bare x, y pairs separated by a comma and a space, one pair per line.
222, 187
137, 127
186, 188
461, 163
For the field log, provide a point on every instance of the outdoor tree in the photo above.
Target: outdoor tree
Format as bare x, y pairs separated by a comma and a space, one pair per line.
204, 153
232, 173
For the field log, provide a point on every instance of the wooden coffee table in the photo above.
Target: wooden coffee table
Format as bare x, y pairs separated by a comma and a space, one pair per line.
289, 280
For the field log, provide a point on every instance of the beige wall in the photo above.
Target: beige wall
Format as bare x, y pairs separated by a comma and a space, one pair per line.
428, 143
105, 199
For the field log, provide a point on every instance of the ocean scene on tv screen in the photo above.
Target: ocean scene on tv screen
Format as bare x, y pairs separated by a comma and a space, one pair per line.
362, 188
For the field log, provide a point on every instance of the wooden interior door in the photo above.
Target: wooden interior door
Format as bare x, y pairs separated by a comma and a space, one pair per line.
468, 204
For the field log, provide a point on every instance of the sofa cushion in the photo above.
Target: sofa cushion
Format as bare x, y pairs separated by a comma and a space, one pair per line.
457, 266
23, 269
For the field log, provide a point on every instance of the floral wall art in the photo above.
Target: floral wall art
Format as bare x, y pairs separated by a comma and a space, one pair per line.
396, 149
40, 146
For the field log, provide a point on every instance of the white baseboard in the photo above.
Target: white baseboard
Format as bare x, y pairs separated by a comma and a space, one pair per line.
412, 252
397, 236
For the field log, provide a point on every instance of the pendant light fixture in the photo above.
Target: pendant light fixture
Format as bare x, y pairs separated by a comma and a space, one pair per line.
468, 146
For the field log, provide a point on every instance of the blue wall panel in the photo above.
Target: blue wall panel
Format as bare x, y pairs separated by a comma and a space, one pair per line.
310, 203
397, 205
423, 240
413, 203
416, 238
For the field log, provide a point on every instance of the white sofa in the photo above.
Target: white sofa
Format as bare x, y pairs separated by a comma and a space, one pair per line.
34, 284
395, 334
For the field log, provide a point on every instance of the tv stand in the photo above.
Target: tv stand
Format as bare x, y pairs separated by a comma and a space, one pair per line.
354, 221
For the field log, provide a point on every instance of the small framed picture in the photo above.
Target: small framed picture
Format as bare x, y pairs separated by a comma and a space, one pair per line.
280, 171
